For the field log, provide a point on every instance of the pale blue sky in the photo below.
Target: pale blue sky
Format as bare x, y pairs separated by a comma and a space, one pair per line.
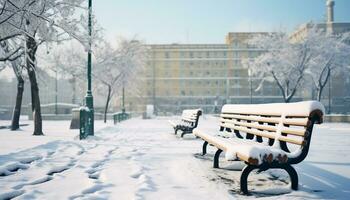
207, 21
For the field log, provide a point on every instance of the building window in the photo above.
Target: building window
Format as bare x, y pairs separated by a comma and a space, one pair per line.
167, 55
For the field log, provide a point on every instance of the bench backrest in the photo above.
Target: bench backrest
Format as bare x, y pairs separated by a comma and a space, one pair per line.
280, 124
191, 116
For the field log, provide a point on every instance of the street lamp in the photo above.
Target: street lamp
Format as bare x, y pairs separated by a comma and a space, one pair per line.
87, 112
330, 94
123, 98
56, 90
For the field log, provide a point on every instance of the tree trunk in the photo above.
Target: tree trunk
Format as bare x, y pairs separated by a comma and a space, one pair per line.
30, 65
287, 100
20, 87
17, 110
107, 103
74, 90
319, 94
321, 85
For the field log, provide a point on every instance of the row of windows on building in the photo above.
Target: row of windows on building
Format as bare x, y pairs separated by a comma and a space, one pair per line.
197, 64
208, 54
268, 91
240, 72
175, 83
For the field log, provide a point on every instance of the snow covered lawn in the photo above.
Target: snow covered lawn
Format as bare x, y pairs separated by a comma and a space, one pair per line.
143, 159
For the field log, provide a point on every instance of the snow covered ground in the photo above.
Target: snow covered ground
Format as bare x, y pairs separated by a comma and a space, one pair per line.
143, 159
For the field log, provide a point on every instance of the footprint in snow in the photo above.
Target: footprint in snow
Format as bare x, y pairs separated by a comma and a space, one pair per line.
60, 169
97, 188
12, 168
36, 182
12, 194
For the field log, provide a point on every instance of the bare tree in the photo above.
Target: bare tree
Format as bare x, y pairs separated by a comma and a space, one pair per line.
116, 68
331, 53
283, 62
17, 66
69, 61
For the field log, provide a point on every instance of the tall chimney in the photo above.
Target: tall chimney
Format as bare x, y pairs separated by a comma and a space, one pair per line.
330, 16
330, 11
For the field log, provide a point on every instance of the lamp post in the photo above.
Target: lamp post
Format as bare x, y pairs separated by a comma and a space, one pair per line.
330, 94
123, 99
56, 91
87, 112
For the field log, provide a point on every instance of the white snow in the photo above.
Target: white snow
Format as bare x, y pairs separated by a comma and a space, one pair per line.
303, 108
188, 115
143, 159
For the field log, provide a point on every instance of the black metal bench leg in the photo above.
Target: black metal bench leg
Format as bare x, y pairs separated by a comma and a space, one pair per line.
216, 158
204, 148
183, 133
293, 176
176, 129
244, 178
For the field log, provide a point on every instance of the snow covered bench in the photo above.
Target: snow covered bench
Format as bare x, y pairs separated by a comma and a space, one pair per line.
189, 121
265, 136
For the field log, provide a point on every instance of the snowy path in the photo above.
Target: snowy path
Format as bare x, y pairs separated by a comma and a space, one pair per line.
142, 159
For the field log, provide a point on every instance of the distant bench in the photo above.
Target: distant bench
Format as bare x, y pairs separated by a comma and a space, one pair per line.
265, 136
189, 121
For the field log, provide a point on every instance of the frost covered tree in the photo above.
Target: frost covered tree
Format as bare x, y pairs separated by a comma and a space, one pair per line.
37, 22
69, 60
117, 67
16, 63
331, 56
8, 54
282, 62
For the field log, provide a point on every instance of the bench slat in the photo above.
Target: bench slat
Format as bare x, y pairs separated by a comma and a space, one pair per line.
264, 127
188, 119
275, 120
265, 134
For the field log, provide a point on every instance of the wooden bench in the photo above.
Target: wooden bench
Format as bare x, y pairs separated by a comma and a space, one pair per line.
189, 121
265, 136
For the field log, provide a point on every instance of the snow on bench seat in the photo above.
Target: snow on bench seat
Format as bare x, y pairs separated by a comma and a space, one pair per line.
245, 150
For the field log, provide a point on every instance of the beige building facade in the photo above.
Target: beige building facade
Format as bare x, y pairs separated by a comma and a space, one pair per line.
180, 76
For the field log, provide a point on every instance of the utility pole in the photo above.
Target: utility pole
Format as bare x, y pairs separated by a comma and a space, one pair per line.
154, 88
250, 85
